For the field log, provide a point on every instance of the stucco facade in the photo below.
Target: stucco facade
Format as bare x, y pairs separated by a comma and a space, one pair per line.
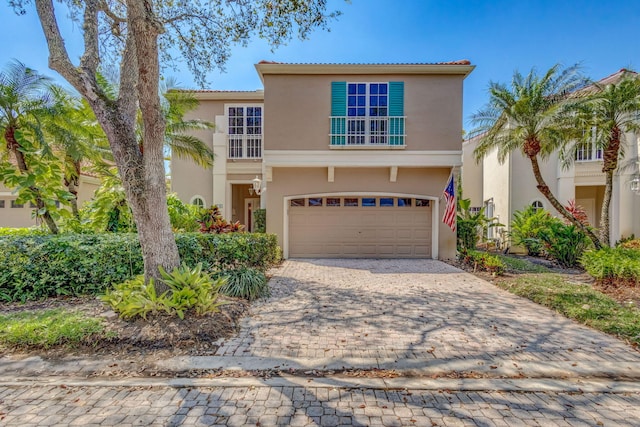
511, 186
356, 141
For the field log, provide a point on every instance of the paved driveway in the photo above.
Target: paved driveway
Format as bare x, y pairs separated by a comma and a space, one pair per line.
423, 310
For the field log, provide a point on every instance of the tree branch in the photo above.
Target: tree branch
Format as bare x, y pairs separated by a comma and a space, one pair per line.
90, 59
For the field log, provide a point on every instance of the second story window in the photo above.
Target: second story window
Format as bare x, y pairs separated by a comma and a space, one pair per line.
245, 132
367, 114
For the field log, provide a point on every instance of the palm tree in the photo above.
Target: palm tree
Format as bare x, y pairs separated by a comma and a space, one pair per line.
78, 139
610, 111
532, 116
25, 101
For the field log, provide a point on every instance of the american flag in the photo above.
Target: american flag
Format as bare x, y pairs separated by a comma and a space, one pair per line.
449, 217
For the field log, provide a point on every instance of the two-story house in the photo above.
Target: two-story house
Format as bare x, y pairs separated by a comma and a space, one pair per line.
350, 159
503, 188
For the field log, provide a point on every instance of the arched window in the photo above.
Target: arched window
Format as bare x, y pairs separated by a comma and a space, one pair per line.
197, 201
537, 205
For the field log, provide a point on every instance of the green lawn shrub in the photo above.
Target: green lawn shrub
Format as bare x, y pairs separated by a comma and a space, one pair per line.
527, 226
36, 267
565, 243
483, 261
245, 282
610, 264
191, 289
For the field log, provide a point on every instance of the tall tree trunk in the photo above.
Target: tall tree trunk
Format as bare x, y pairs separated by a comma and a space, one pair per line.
156, 230
72, 182
14, 147
609, 166
544, 189
604, 213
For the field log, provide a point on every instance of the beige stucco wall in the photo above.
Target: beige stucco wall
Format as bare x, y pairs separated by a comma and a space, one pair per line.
524, 189
187, 178
495, 185
297, 110
304, 181
471, 174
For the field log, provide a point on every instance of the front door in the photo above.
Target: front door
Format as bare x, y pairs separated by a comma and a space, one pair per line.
250, 205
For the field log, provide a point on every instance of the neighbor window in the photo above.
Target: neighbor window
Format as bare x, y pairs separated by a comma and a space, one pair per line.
296, 202
1, 203
349, 201
315, 201
537, 205
14, 204
197, 201
365, 113
245, 131
368, 201
386, 202
333, 201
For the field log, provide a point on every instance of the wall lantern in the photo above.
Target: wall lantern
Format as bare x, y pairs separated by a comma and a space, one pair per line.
257, 187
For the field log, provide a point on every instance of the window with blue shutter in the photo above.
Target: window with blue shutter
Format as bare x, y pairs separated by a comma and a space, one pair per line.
367, 113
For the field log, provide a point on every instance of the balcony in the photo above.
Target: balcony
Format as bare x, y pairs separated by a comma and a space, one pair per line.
244, 147
367, 132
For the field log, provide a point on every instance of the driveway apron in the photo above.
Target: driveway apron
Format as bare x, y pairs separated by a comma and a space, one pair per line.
422, 310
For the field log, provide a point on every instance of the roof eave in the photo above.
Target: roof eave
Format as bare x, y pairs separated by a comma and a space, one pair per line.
346, 69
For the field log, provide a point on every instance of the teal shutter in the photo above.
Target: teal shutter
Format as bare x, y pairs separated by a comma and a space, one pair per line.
396, 113
338, 113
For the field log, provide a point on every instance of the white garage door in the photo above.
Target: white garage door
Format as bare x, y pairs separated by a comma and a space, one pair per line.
360, 227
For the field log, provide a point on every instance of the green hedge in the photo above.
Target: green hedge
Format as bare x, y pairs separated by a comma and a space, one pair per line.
483, 261
35, 267
613, 263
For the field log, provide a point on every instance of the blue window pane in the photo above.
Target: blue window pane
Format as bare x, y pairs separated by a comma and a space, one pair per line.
362, 111
383, 89
386, 201
352, 89
249, 121
258, 111
368, 201
362, 101
382, 101
373, 112
249, 111
373, 101
351, 102
362, 88
382, 112
315, 201
373, 89
352, 112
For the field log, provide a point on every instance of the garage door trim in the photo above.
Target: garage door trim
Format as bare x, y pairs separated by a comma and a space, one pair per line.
434, 216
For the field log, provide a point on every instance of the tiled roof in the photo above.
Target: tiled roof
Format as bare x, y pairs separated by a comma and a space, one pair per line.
459, 62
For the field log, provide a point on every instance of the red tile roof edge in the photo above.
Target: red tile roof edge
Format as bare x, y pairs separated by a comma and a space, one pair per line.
459, 62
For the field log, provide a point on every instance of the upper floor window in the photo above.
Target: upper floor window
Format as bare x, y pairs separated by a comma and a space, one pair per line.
367, 113
245, 131
588, 151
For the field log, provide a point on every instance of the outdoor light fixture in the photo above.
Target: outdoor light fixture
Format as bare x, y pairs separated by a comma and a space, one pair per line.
257, 187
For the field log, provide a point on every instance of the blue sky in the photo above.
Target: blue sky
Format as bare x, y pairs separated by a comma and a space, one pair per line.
496, 36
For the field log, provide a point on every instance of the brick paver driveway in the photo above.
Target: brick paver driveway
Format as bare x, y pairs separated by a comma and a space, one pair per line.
409, 309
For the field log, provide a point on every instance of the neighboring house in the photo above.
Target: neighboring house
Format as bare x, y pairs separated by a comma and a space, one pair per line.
21, 215
505, 188
351, 159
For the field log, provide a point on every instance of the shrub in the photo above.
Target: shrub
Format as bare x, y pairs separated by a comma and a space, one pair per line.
564, 243
527, 226
629, 243
470, 226
612, 264
244, 282
190, 289
211, 221
36, 267
260, 220
483, 261
33, 231
183, 217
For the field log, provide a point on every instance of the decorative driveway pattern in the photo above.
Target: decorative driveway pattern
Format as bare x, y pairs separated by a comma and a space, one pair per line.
408, 309
308, 406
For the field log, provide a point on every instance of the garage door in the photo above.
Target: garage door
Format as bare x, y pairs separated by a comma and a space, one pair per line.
360, 227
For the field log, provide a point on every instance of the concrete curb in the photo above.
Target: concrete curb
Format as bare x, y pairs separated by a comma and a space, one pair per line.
341, 382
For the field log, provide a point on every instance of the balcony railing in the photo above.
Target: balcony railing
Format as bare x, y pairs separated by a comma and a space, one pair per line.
367, 131
588, 152
244, 147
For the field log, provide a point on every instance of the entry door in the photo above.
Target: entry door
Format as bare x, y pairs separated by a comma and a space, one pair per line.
249, 206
